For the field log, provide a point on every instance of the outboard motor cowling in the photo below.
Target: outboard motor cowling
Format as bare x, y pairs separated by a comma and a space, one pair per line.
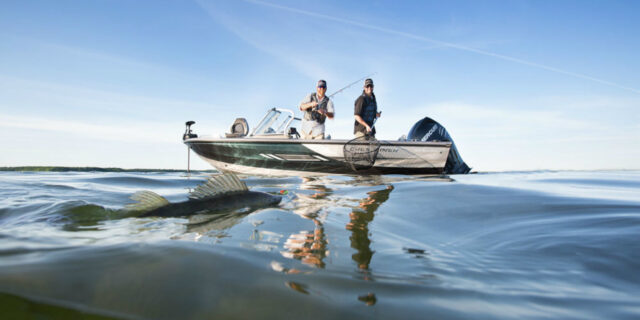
428, 129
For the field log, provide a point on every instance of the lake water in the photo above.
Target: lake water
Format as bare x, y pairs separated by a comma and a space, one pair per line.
530, 245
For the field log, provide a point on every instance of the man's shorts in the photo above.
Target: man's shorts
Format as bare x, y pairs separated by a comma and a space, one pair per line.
361, 134
309, 136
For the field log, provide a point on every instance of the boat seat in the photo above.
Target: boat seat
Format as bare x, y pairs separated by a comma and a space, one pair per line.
239, 128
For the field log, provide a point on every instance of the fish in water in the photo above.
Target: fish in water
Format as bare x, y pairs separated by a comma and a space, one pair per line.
224, 192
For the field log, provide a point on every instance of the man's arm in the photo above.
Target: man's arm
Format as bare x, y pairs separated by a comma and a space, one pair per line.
307, 103
361, 121
330, 111
357, 109
305, 106
327, 113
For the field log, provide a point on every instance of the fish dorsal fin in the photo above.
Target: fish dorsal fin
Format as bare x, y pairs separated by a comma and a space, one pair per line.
146, 201
218, 185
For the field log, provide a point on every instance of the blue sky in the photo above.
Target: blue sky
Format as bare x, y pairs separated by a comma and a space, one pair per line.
520, 85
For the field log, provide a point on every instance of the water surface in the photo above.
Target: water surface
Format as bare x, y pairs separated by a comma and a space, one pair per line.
531, 245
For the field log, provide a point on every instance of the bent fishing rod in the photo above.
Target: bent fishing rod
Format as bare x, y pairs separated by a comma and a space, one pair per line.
350, 84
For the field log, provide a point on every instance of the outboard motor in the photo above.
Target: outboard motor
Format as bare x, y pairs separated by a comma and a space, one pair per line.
428, 129
187, 133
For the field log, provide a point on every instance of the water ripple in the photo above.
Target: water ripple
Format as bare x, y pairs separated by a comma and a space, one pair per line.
496, 245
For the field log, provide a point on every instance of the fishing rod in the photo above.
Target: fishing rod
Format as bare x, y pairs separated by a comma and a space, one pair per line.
350, 84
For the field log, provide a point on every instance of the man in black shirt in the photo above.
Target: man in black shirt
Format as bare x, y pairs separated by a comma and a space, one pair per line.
365, 111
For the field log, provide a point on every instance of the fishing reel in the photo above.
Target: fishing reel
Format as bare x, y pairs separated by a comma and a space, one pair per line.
188, 134
317, 116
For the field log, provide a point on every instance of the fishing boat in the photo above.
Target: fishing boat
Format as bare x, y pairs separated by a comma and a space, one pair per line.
274, 147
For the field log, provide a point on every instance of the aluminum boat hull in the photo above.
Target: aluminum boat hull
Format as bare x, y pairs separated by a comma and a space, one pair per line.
285, 156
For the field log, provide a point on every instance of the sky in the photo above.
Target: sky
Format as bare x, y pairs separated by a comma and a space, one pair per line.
519, 85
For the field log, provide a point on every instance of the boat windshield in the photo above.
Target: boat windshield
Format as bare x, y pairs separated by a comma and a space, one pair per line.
275, 122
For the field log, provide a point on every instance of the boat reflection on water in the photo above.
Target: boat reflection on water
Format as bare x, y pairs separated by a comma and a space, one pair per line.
358, 224
360, 218
310, 246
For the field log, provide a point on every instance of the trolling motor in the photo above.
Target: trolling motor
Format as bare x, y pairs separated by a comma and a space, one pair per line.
188, 134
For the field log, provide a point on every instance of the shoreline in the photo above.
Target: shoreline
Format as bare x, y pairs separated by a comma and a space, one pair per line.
89, 169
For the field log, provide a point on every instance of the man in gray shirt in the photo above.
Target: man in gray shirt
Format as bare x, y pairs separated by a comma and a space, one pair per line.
316, 108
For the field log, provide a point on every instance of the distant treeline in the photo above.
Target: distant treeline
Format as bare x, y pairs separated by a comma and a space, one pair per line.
91, 169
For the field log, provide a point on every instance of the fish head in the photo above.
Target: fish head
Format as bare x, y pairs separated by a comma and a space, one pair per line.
262, 199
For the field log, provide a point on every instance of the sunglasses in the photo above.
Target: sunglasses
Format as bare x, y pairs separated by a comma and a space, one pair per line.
369, 86
323, 87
